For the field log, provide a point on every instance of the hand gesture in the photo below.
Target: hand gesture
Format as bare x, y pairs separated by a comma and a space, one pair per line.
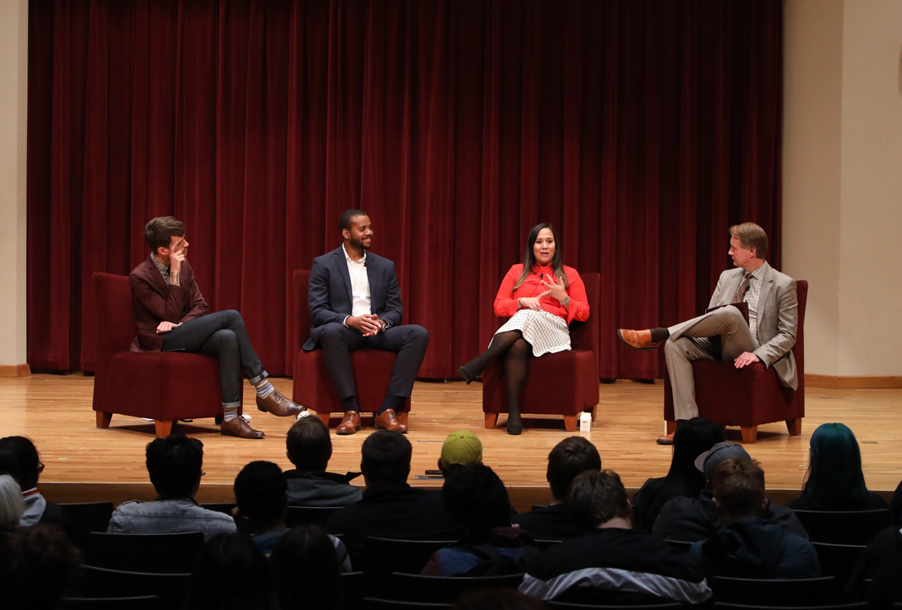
368, 325
176, 258
165, 326
555, 289
745, 359
530, 302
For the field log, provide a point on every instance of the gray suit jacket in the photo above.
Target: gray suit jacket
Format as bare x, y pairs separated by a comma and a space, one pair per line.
778, 318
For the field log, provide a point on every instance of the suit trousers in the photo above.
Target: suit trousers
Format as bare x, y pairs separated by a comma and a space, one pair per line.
722, 334
222, 335
409, 341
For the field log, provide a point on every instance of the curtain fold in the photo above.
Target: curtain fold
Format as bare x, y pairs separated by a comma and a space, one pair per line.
641, 129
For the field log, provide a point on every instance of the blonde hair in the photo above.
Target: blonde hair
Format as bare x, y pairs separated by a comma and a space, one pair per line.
751, 236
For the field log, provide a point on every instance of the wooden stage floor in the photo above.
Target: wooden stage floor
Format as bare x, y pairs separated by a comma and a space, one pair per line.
84, 463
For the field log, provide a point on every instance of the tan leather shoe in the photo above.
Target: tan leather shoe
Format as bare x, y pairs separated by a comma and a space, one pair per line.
667, 439
238, 427
350, 424
637, 339
389, 421
277, 404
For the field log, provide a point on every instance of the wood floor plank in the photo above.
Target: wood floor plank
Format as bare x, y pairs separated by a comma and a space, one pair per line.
55, 411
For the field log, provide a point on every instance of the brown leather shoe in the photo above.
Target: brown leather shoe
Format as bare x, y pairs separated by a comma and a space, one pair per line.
350, 424
667, 439
637, 339
277, 404
238, 427
389, 421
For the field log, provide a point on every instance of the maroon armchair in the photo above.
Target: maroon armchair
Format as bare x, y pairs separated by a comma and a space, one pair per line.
565, 383
164, 386
750, 396
312, 384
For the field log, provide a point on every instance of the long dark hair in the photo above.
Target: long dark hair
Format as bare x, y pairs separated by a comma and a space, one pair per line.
529, 257
834, 480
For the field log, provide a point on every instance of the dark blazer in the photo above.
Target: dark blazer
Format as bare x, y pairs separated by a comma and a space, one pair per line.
155, 301
330, 296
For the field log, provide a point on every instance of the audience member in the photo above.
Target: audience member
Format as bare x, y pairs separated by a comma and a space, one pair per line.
11, 505
262, 496
746, 545
478, 501
692, 519
305, 570
834, 480
174, 465
36, 564
27, 469
309, 449
225, 559
885, 547
683, 480
569, 458
390, 507
460, 449
885, 590
610, 562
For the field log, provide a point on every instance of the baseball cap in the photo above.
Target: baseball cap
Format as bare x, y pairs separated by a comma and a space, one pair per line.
708, 461
461, 447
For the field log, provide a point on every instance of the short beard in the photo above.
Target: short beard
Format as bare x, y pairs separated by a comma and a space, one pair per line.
357, 244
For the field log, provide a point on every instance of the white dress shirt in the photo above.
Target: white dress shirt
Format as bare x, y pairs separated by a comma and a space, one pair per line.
361, 304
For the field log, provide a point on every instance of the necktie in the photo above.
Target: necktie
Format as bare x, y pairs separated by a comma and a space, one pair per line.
739, 297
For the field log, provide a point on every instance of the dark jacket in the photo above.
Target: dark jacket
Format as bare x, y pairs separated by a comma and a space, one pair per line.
874, 501
547, 523
754, 548
322, 488
691, 519
499, 553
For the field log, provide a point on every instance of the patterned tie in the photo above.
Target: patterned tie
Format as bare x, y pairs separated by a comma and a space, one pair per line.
739, 297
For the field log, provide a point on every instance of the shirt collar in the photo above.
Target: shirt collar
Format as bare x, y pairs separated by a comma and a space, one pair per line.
348, 258
163, 268
758, 273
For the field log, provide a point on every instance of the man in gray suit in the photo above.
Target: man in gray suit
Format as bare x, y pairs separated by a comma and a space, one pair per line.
355, 303
723, 334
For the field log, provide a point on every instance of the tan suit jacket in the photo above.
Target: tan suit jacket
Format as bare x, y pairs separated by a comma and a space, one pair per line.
155, 301
778, 318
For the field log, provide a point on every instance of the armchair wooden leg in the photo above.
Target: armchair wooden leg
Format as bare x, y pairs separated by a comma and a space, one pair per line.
570, 423
491, 419
163, 428
749, 434
103, 419
794, 426
595, 413
324, 417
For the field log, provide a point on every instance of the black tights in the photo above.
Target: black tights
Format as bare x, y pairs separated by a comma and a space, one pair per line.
516, 352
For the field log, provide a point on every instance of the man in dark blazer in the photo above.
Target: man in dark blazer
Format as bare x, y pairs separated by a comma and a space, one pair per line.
355, 303
172, 316
767, 338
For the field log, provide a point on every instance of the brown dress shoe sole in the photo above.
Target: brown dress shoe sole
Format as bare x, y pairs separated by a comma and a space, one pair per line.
347, 432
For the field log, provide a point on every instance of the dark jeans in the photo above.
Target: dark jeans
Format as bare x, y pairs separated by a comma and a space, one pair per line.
222, 335
409, 341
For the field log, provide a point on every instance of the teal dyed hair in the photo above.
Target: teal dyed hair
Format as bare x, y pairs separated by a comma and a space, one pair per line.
834, 480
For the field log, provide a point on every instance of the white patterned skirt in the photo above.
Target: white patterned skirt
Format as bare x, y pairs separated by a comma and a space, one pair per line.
545, 332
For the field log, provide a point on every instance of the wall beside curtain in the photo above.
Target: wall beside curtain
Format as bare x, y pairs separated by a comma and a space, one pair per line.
640, 129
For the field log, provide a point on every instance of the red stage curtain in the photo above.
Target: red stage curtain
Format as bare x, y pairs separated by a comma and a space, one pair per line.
641, 129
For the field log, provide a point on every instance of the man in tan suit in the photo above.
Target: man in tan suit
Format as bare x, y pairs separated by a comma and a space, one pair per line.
723, 333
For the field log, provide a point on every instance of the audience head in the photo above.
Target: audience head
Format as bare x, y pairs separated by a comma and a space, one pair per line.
498, 599
174, 464
261, 492
596, 498
692, 438
751, 236
460, 449
708, 461
309, 445
305, 570
834, 480
385, 458
224, 559
35, 566
477, 499
23, 463
158, 232
11, 504
739, 489
570, 457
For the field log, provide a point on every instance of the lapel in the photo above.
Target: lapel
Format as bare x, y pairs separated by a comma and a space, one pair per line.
375, 286
729, 289
342, 264
767, 282
155, 277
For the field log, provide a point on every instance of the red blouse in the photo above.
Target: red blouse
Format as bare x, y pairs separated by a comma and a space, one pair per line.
532, 286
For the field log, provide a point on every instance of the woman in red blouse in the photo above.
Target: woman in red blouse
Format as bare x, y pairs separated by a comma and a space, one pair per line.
541, 297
